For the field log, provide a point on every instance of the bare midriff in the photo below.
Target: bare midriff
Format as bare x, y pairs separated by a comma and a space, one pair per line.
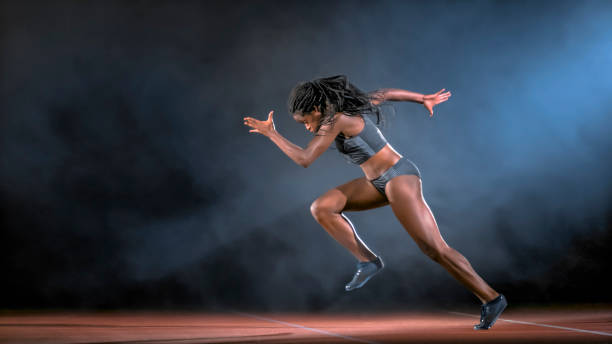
380, 162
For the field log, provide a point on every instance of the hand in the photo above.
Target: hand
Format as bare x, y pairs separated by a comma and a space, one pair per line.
262, 127
431, 100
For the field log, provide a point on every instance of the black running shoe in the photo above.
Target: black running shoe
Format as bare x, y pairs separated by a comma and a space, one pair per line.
490, 311
365, 271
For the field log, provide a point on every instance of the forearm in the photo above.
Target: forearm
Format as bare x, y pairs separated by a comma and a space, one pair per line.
293, 151
395, 94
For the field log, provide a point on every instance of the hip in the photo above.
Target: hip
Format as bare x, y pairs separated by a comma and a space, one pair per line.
402, 167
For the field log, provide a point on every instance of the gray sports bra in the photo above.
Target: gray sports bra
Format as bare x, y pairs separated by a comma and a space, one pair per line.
359, 148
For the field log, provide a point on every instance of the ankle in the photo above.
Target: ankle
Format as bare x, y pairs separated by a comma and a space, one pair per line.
493, 299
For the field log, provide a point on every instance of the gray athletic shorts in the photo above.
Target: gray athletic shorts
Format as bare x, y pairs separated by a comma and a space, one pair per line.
402, 166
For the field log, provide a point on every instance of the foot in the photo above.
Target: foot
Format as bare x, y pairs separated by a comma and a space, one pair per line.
365, 271
490, 311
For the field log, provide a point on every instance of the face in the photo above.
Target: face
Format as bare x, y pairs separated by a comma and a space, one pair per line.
310, 120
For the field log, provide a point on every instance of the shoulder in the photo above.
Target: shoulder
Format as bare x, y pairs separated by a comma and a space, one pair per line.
346, 121
348, 125
342, 119
337, 124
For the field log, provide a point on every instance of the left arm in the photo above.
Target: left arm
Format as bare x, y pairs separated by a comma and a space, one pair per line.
301, 156
396, 94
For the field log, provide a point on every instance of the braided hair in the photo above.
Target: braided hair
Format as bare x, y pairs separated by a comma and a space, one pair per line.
331, 95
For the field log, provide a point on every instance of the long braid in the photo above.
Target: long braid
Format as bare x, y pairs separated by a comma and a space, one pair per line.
332, 95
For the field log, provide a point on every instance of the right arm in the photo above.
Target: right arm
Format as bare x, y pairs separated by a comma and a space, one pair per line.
396, 94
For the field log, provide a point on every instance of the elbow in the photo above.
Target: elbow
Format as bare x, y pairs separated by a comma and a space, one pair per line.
304, 162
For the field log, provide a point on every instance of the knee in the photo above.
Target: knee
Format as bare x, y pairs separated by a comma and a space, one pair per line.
437, 253
321, 209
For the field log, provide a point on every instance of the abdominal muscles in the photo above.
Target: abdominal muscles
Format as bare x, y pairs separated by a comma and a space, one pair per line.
380, 162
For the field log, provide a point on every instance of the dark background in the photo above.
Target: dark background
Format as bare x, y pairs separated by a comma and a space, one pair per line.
127, 179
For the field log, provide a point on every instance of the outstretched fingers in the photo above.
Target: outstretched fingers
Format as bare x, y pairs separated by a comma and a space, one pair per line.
253, 123
442, 97
441, 100
261, 127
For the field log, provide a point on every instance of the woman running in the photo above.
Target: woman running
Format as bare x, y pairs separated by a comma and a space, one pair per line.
337, 111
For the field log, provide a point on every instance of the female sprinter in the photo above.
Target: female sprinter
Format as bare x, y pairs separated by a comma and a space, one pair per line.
336, 110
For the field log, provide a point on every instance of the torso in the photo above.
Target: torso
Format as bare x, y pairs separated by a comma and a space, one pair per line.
379, 162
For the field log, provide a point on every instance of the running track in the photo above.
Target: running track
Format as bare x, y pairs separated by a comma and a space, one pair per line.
553, 325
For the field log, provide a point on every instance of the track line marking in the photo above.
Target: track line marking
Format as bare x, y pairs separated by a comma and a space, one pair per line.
306, 328
541, 325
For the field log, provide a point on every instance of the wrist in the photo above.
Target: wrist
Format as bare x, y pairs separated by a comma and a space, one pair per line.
271, 134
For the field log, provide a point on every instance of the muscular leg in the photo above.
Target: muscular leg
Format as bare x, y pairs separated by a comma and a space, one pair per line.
406, 198
358, 194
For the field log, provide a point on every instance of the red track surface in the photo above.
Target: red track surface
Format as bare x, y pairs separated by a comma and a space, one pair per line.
167, 327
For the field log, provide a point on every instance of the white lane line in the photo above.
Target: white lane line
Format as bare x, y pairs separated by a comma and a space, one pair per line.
306, 328
541, 325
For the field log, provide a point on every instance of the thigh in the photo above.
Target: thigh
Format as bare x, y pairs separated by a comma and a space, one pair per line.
406, 199
358, 194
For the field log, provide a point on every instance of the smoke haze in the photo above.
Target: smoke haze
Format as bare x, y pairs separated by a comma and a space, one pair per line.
127, 178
